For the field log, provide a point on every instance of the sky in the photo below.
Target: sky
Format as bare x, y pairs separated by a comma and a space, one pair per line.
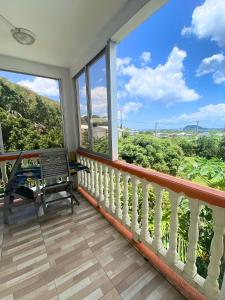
170, 70
42, 86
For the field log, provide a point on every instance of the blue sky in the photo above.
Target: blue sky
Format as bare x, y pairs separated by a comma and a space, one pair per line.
171, 69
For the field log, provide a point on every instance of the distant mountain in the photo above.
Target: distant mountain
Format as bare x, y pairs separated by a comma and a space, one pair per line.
194, 128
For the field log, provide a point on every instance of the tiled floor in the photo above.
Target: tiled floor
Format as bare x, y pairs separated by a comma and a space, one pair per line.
75, 257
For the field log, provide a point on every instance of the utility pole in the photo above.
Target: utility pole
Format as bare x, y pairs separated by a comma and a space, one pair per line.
197, 122
121, 118
156, 125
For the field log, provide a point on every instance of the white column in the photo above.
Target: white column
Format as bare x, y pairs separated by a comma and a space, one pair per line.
172, 255
190, 268
111, 75
111, 191
157, 241
118, 190
211, 286
145, 236
135, 225
126, 218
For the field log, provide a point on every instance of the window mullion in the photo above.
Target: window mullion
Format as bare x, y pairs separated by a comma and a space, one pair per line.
89, 107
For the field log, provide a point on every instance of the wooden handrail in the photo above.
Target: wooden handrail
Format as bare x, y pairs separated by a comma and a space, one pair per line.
8, 157
26, 154
188, 188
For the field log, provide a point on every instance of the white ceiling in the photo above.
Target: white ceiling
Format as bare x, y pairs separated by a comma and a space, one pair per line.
68, 31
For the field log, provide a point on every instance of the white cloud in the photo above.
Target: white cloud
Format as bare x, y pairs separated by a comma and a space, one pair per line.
120, 62
145, 57
129, 107
99, 100
165, 83
208, 21
211, 112
214, 65
43, 86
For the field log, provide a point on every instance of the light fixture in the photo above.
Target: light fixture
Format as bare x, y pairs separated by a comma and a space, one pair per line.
21, 35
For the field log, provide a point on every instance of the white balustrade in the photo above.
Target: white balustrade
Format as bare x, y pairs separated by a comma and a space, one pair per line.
96, 179
126, 218
3, 172
157, 241
172, 255
135, 228
101, 196
211, 285
118, 191
92, 165
144, 235
105, 184
111, 191
106, 194
190, 268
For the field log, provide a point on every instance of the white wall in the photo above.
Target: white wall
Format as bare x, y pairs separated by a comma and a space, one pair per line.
67, 93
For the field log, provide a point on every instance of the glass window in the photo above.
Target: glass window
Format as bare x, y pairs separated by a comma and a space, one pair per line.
99, 106
84, 123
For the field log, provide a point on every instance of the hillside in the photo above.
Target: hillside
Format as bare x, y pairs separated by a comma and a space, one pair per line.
29, 121
194, 128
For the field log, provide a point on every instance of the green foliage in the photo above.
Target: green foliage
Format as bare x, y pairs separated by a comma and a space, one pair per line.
208, 172
221, 149
151, 152
207, 147
28, 120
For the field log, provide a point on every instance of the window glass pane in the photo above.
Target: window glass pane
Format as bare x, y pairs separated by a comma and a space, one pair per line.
99, 107
84, 132
30, 112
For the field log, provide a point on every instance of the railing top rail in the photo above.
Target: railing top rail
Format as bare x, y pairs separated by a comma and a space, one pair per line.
188, 188
26, 154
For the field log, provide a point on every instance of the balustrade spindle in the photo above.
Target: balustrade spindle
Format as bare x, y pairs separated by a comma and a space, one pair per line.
134, 223
106, 195
82, 172
4, 173
157, 241
111, 191
92, 177
85, 174
118, 190
211, 286
101, 196
144, 235
89, 176
126, 218
96, 180
172, 255
190, 268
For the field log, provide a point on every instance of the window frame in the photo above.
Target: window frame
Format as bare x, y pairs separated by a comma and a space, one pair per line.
61, 101
113, 149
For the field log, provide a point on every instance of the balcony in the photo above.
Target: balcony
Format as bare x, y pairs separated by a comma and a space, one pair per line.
115, 246
61, 248
76, 257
